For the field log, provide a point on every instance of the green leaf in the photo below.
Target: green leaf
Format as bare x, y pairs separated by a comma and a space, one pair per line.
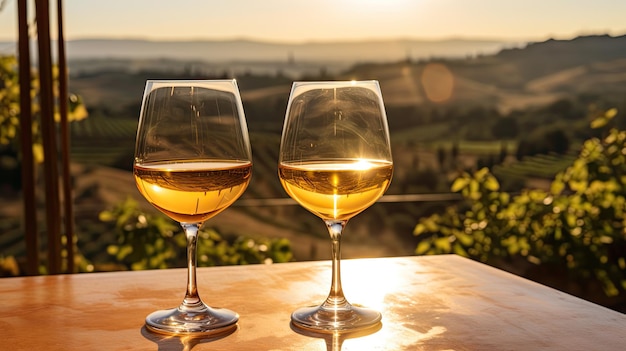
491, 183
443, 244
459, 184
106, 216
599, 122
481, 173
464, 239
459, 250
419, 229
610, 113
423, 247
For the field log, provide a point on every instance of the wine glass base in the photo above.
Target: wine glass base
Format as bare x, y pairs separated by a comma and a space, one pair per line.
332, 319
206, 321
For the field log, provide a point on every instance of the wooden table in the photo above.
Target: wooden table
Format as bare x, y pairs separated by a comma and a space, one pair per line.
428, 303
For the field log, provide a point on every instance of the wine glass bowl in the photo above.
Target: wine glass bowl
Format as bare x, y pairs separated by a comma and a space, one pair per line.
192, 161
335, 161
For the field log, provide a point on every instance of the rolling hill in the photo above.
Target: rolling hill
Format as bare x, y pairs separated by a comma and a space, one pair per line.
511, 79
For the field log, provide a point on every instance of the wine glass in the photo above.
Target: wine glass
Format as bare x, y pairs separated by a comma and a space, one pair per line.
335, 161
192, 161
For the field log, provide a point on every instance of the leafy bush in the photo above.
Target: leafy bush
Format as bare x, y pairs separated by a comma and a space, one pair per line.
579, 224
146, 241
10, 106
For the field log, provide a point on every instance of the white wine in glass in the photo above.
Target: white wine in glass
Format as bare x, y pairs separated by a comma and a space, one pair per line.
335, 161
192, 161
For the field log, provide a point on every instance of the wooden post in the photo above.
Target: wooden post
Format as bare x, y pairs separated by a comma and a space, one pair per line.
51, 173
68, 211
26, 143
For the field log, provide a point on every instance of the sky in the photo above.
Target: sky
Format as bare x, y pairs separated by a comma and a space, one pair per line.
330, 20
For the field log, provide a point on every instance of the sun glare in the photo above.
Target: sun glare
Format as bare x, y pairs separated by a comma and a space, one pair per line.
377, 6
370, 280
361, 165
381, 3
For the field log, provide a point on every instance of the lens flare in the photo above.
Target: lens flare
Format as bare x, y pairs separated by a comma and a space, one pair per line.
438, 82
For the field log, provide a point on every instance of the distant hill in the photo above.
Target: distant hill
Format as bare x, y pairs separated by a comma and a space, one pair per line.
544, 58
535, 74
513, 77
249, 50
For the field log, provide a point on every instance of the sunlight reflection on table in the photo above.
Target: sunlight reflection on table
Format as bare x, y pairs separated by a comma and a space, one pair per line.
368, 282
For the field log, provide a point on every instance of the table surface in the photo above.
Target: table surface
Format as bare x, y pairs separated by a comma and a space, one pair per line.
428, 303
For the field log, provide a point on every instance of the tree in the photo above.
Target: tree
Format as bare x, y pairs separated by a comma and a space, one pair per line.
454, 153
504, 152
544, 142
558, 141
441, 157
505, 128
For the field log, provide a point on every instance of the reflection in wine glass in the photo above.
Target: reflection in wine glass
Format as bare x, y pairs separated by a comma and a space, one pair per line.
192, 161
335, 161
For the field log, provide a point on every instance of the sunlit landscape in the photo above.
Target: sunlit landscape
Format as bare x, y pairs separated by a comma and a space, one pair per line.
507, 144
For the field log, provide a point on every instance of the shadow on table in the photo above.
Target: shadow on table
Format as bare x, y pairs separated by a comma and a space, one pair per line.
182, 342
334, 340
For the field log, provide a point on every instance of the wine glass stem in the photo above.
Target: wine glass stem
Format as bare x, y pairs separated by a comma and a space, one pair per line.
335, 297
192, 299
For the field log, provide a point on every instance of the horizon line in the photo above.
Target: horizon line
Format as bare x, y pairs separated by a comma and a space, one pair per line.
344, 40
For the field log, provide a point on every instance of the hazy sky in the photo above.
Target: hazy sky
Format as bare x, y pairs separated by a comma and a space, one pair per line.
317, 20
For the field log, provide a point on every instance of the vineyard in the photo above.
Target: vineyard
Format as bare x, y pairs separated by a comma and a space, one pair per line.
430, 145
99, 142
102, 141
102, 151
538, 166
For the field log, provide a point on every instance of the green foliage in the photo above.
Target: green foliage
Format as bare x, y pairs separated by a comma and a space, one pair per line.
9, 99
579, 224
148, 241
10, 106
143, 241
8, 266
